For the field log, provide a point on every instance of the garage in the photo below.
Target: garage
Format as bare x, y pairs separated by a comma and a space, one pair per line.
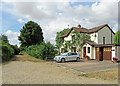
103, 53
107, 53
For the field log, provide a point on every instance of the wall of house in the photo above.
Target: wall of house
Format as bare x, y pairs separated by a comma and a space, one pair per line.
105, 32
68, 38
113, 52
94, 57
93, 37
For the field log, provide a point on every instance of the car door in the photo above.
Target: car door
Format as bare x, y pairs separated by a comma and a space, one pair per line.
74, 56
69, 57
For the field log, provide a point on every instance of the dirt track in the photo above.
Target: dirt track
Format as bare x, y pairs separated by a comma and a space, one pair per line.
18, 72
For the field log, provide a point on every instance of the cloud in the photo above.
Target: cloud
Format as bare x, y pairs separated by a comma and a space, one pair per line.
20, 20
12, 37
55, 16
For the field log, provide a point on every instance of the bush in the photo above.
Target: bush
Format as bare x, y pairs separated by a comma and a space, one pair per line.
7, 51
16, 49
42, 51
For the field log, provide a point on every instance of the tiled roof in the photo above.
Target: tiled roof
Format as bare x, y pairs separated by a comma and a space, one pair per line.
85, 30
92, 43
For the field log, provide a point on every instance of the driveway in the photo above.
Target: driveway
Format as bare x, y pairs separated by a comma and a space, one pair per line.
18, 72
89, 66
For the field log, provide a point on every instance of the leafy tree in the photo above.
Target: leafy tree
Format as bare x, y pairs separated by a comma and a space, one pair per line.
42, 51
31, 34
16, 49
79, 39
4, 38
117, 37
6, 51
59, 41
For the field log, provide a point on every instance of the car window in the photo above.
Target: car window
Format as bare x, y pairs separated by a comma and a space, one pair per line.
69, 54
74, 53
64, 54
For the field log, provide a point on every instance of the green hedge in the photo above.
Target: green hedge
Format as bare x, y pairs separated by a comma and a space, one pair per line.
7, 51
42, 51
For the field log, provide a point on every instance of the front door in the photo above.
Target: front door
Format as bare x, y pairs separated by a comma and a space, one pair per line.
84, 52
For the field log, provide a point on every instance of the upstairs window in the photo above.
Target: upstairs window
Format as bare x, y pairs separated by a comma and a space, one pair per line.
103, 40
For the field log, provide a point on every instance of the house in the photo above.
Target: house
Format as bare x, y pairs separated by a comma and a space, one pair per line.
100, 46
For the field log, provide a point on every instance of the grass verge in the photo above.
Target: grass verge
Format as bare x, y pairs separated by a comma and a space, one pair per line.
24, 57
110, 75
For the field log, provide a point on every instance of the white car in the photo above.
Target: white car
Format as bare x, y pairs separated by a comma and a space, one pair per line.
67, 57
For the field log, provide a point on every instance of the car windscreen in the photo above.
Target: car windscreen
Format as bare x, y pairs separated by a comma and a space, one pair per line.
64, 54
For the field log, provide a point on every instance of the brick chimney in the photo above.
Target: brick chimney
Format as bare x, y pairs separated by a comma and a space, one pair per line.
79, 26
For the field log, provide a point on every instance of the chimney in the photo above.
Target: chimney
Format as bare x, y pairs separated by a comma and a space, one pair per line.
79, 26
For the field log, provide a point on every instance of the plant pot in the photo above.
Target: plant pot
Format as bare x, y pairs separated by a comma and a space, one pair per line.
87, 58
114, 61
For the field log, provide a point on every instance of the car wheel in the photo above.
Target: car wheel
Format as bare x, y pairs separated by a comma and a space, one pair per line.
78, 59
62, 60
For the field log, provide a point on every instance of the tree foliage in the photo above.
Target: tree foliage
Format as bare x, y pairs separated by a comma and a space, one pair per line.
80, 38
59, 41
16, 49
117, 37
7, 50
77, 41
42, 51
4, 38
31, 34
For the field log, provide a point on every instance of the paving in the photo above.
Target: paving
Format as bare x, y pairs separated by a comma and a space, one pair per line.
90, 66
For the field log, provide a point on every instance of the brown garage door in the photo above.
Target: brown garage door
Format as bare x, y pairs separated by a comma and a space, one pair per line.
107, 54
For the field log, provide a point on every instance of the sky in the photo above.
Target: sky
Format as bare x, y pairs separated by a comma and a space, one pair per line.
55, 15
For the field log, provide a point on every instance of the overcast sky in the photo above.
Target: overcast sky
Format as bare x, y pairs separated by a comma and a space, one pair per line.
55, 15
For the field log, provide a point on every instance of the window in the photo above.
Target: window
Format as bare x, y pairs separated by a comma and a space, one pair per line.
69, 54
74, 53
103, 40
88, 49
73, 37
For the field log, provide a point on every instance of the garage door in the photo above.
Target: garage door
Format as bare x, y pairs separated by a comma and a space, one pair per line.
107, 53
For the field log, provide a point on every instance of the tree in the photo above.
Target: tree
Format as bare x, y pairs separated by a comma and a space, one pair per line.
16, 49
59, 41
31, 34
6, 50
79, 39
4, 38
117, 37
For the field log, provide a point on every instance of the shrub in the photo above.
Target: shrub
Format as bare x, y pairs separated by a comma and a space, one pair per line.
42, 51
7, 51
16, 49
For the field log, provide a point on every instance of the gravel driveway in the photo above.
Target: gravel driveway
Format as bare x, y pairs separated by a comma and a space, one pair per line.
89, 66
18, 72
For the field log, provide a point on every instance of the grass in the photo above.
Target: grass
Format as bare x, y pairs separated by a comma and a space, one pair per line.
110, 75
24, 57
